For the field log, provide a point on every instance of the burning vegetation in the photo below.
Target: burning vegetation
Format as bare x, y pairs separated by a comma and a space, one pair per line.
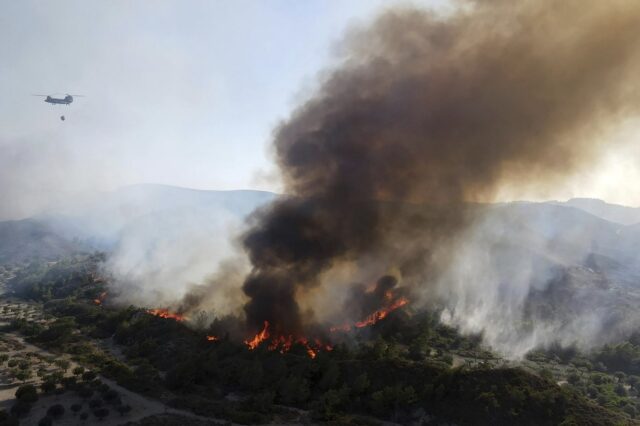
425, 115
165, 313
283, 343
100, 299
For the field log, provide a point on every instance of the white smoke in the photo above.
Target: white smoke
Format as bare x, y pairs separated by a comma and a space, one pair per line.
525, 277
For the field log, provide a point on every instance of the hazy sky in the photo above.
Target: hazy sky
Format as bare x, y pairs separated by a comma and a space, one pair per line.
180, 92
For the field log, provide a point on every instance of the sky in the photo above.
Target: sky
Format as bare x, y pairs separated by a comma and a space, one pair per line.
185, 93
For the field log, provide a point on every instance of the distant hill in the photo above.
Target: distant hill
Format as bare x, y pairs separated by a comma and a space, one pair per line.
136, 217
611, 212
100, 218
25, 240
176, 235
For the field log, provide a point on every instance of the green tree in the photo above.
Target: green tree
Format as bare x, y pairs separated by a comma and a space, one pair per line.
47, 386
88, 376
294, 390
56, 411
45, 421
123, 409
330, 376
63, 364
101, 413
361, 384
69, 383
27, 393
620, 390
391, 399
20, 408
334, 400
573, 378
22, 375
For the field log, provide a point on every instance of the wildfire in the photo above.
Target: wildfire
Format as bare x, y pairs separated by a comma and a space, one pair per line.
100, 298
212, 338
381, 314
283, 343
165, 313
376, 316
259, 338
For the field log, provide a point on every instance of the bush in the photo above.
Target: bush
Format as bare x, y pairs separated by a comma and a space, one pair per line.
21, 408
27, 393
84, 416
110, 395
573, 378
630, 410
95, 403
620, 390
88, 376
7, 419
69, 383
56, 411
101, 413
124, 409
48, 386
45, 421
76, 408
85, 392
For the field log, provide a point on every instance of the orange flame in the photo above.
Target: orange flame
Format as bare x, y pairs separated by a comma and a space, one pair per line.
212, 338
259, 338
165, 313
100, 298
344, 328
373, 318
284, 343
381, 314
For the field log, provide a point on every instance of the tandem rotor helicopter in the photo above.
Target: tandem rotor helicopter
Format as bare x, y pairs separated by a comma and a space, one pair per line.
59, 101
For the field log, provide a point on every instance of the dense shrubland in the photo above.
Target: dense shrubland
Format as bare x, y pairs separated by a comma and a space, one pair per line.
401, 369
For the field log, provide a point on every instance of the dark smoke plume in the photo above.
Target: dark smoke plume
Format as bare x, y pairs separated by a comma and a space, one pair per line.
437, 110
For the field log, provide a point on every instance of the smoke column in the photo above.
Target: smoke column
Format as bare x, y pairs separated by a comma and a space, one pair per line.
440, 111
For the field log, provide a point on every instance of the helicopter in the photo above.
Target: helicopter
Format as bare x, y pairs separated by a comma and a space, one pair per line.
59, 101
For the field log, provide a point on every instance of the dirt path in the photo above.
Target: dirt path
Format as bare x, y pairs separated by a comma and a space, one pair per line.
141, 406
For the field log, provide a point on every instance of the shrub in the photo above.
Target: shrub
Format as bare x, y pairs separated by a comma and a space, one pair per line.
27, 393
101, 413
56, 411
7, 419
124, 409
110, 395
88, 376
95, 403
69, 383
48, 386
21, 408
85, 392
45, 421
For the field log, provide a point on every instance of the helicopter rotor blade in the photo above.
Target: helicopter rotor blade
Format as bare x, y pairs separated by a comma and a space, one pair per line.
79, 96
40, 95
